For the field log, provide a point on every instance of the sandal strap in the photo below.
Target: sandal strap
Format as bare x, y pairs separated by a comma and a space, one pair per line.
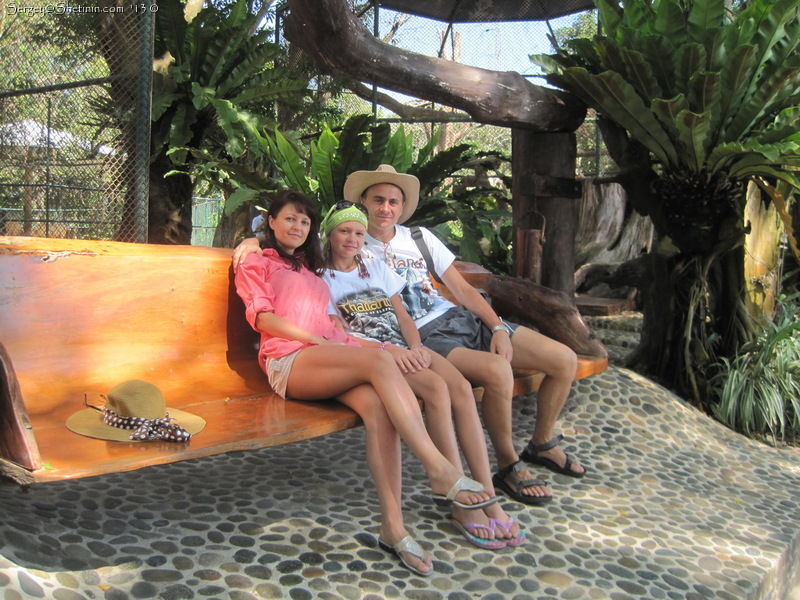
536, 448
512, 468
519, 484
464, 484
410, 545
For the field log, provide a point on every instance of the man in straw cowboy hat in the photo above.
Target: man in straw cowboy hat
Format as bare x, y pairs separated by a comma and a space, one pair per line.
471, 336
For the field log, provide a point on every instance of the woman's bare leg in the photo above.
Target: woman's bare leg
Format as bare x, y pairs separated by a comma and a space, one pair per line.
384, 461
330, 369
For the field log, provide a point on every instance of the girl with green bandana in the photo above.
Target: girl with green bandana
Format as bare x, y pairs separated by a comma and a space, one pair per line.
365, 296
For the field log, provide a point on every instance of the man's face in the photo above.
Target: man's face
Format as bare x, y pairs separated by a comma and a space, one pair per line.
384, 202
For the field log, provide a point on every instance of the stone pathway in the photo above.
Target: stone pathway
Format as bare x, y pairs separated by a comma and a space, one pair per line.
676, 506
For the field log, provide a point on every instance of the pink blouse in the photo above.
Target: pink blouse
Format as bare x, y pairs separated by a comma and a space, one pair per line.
267, 283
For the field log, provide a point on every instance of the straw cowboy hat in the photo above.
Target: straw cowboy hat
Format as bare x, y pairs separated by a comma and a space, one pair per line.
135, 411
359, 181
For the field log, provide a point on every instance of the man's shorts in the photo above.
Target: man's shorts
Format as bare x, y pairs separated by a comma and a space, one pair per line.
458, 328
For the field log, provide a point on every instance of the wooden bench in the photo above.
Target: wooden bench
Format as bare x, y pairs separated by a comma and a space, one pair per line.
78, 317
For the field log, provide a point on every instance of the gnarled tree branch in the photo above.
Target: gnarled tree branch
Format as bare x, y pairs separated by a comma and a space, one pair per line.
339, 44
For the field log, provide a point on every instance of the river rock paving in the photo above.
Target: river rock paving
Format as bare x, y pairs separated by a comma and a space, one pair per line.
675, 506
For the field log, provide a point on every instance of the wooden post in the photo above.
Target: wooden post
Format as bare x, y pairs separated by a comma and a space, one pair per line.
543, 167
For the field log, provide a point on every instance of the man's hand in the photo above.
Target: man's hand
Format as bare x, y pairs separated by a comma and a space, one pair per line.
241, 251
501, 344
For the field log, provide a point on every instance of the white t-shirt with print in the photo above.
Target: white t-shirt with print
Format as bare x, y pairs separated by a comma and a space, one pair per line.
422, 301
364, 304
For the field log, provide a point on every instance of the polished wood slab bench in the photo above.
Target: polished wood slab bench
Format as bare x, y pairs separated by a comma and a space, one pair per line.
77, 317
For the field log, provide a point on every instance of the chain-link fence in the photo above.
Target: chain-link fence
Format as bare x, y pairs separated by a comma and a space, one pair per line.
75, 118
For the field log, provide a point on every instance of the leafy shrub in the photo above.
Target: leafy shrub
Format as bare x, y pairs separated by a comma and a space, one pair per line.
758, 391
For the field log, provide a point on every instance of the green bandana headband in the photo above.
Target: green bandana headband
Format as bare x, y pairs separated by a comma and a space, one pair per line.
336, 217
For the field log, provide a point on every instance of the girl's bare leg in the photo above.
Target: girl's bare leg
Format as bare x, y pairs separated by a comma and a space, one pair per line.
433, 390
330, 369
384, 461
469, 431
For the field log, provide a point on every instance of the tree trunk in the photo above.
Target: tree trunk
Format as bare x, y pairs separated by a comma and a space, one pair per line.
609, 231
693, 311
233, 228
170, 218
762, 256
544, 187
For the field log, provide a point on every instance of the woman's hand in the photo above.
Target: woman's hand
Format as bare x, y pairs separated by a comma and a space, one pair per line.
408, 361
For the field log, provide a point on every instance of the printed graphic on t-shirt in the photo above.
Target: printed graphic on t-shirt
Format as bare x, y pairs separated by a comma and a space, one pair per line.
417, 294
421, 299
370, 314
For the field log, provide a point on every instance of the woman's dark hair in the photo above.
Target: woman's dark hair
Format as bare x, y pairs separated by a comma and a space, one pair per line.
309, 252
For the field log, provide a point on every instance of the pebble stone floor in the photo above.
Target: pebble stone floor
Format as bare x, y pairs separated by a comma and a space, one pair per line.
676, 507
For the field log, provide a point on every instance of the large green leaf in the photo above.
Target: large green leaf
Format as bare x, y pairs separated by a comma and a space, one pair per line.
376, 152
610, 55
669, 21
289, 162
704, 16
735, 78
640, 74
322, 166
784, 125
660, 53
610, 13
768, 95
689, 59
400, 150
352, 153
584, 54
238, 198
693, 133
265, 89
638, 15
769, 20
610, 94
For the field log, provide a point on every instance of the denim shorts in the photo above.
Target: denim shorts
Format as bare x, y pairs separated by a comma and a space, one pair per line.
458, 328
278, 370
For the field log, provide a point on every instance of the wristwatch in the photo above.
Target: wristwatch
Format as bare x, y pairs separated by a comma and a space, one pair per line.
502, 327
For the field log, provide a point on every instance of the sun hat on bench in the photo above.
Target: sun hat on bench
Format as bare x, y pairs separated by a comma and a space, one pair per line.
135, 410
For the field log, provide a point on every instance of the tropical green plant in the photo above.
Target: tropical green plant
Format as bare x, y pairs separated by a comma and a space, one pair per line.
475, 222
213, 96
694, 102
758, 391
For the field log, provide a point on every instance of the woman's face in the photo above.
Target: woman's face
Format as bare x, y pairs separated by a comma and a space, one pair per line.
347, 239
290, 227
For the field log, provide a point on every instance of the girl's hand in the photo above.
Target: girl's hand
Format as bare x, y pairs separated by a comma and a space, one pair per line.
408, 361
424, 356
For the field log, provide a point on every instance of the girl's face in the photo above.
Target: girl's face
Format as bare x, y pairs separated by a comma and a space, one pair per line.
347, 239
290, 227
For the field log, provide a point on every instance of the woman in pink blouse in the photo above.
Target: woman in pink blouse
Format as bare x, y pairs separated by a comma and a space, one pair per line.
305, 356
